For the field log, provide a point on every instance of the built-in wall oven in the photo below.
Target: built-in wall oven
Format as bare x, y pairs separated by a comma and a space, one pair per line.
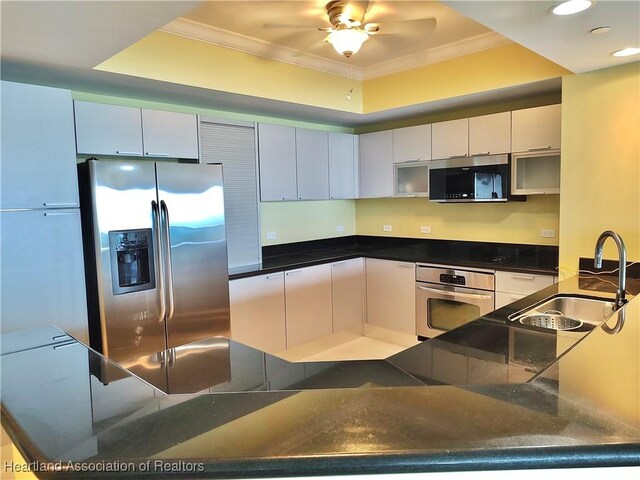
447, 297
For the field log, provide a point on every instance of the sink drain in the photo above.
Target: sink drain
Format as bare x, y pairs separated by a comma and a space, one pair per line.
551, 321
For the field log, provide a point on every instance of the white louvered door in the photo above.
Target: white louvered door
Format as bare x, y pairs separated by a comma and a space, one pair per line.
234, 146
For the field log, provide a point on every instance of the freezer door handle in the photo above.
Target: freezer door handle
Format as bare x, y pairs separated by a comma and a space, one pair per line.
164, 218
155, 214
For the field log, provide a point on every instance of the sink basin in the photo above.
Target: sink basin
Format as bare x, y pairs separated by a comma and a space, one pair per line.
566, 313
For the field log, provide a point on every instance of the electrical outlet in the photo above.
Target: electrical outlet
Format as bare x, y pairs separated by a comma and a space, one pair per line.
271, 235
387, 228
339, 228
548, 233
425, 229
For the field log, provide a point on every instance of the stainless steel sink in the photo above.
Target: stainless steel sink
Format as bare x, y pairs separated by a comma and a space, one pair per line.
567, 313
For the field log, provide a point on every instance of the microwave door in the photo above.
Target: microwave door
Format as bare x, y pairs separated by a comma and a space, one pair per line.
194, 251
131, 322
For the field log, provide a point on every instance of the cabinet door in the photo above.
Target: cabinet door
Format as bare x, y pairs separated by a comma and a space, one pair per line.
308, 304
391, 295
376, 164
503, 298
37, 147
312, 161
490, 134
412, 143
450, 139
536, 128
347, 287
257, 312
169, 134
108, 129
277, 158
43, 271
342, 165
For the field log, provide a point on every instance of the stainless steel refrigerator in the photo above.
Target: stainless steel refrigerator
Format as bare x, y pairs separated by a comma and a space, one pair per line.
155, 255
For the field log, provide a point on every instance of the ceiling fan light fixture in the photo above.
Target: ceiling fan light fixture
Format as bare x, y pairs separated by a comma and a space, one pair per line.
571, 6
347, 41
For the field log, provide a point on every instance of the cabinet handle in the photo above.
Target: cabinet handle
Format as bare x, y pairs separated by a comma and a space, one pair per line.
293, 272
58, 214
538, 149
407, 161
133, 154
339, 264
413, 195
153, 154
271, 277
524, 277
480, 153
58, 337
406, 265
464, 155
60, 204
64, 345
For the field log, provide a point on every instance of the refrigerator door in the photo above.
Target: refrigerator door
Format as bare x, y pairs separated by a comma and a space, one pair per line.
197, 285
131, 310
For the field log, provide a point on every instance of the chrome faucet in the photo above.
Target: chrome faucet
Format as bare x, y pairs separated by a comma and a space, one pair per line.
622, 259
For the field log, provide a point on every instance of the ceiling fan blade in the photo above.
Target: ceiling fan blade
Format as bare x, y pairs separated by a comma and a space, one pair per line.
408, 27
288, 25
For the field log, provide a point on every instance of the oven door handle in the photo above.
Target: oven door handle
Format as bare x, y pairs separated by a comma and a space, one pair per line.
446, 293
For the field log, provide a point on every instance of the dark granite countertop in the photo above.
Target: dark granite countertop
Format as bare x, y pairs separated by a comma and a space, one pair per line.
483, 255
492, 394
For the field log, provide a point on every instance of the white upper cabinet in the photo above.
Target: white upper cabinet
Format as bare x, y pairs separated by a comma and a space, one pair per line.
342, 165
312, 160
277, 157
412, 143
536, 129
169, 134
37, 147
108, 129
133, 132
450, 139
376, 164
490, 134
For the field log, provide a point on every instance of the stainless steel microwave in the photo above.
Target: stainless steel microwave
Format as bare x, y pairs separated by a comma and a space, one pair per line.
471, 179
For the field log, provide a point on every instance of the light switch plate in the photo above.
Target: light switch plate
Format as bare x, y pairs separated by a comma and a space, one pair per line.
387, 228
425, 229
548, 233
271, 235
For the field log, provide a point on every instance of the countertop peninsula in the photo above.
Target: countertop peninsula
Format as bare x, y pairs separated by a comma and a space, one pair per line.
576, 404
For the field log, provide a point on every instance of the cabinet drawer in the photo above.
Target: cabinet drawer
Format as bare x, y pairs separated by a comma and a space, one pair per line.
521, 283
503, 298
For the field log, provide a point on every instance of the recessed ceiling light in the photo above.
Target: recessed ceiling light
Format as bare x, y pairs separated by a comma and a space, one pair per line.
571, 6
626, 52
600, 30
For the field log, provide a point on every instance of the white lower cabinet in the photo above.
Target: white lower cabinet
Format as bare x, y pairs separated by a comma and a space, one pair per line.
512, 286
391, 297
347, 289
308, 304
258, 312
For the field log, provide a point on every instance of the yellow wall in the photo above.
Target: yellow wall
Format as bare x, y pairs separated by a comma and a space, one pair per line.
510, 223
600, 172
171, 58
300, 221
490, 69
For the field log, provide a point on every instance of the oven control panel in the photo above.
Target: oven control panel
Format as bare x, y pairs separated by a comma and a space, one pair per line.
452, 279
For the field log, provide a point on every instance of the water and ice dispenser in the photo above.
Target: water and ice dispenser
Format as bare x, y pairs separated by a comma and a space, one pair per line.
132, 266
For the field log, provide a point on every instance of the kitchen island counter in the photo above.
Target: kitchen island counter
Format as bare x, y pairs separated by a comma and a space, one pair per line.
62, 402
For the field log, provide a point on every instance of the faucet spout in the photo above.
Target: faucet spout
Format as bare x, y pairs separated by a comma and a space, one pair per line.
622, 260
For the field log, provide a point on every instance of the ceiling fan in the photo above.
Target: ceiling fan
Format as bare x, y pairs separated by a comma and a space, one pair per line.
348, 30
347, 33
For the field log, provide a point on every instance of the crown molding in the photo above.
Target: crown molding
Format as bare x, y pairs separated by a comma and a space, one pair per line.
243, 43
224, 38
460, 48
